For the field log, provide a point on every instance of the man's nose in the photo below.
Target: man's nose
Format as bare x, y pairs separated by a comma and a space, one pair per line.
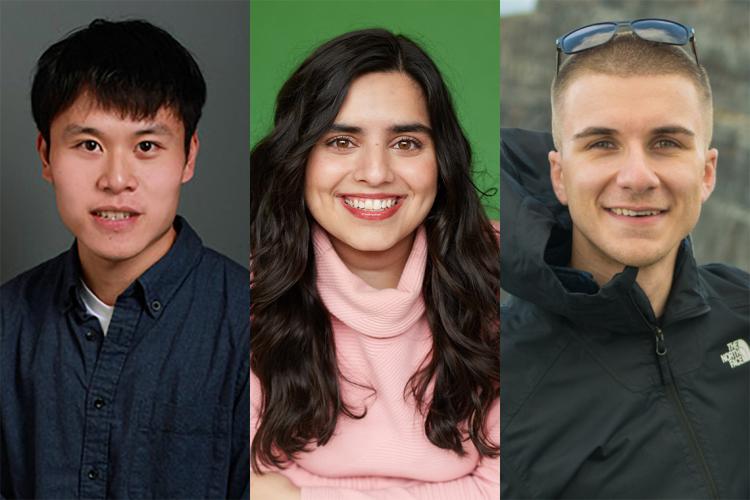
636, 172
117, 174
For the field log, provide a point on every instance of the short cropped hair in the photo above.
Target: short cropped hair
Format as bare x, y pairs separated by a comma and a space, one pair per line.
132, 67
625, 56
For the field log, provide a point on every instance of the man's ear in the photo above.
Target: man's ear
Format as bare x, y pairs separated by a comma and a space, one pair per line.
709, 173
43, 149
189, 170
556, 176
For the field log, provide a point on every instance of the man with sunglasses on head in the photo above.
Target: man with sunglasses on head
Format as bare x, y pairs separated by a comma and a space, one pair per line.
625, 366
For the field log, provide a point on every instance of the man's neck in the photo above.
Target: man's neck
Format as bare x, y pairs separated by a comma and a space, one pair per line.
378, 269
107, 278
655, 280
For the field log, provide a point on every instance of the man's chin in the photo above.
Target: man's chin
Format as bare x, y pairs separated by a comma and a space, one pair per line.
640, 256
106, 253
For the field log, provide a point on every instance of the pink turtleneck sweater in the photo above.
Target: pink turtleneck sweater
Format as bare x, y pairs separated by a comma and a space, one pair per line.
382, 337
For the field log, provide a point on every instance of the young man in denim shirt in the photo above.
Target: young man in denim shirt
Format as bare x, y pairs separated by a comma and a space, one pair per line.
125, 359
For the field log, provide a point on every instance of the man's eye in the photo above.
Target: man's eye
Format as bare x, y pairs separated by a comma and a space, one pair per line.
407, 144
340, 143
89, 145
146, 146
666, 143
602, 145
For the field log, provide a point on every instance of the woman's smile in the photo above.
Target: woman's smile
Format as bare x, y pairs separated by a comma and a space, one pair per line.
371, 179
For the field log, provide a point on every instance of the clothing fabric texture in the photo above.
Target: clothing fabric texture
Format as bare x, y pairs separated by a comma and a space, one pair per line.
600, 398
382, 337
159, 408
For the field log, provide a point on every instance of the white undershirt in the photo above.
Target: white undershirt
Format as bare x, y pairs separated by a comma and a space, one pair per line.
96, 307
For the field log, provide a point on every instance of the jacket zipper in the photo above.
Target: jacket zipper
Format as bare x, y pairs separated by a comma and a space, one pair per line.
674, 396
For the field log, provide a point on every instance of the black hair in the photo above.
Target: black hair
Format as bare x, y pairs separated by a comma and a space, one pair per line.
293, 347
130, 66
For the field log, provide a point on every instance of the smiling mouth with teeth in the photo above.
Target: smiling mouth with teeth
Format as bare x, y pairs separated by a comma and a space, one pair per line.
376, 205
109, 215
634, 213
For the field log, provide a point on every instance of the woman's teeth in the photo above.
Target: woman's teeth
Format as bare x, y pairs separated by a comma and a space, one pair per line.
377, 205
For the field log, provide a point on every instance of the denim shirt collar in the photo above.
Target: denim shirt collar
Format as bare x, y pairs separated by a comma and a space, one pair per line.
157, 285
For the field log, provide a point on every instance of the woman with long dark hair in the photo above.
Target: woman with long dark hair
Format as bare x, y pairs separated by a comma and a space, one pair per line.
375, 323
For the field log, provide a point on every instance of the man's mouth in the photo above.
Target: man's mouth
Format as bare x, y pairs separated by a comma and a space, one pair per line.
636, 213
114, 215
372, 205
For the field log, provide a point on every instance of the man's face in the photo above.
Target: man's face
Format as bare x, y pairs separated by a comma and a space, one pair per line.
117, 181
633, 167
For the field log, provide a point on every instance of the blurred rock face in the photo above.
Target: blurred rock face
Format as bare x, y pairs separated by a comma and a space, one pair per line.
527, 65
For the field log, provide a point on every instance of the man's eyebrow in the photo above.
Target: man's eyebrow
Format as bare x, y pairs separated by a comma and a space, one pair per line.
673, 130
594, 131
74, 129
156, 129
399, 128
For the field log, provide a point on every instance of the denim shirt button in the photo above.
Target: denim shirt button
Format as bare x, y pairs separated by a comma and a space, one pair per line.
93, 474
90, 335
155, 305
99, 403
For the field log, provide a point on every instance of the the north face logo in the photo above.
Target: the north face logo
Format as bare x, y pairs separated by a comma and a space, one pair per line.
738, 354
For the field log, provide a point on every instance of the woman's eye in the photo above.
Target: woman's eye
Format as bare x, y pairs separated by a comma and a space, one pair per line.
340, 143
407, 144
146, 146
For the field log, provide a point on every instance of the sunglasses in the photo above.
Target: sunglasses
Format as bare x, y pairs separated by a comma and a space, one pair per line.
653, 30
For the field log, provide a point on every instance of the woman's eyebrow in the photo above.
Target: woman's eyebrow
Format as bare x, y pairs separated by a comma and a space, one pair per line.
344, 128
398, 128
411, 127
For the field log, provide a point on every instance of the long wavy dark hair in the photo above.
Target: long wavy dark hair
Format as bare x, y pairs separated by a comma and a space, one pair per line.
293, 352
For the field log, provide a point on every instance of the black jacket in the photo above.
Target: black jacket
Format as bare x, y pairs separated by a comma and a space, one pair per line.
590, 409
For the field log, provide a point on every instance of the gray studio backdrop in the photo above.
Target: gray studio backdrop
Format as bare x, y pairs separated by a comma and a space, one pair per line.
215, 201
527, 65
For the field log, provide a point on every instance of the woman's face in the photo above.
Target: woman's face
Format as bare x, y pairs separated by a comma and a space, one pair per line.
372, 177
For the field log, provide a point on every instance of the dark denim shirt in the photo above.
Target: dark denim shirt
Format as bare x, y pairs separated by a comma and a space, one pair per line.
159, 408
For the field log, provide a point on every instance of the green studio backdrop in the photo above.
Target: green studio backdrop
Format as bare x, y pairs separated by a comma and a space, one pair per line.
462, 37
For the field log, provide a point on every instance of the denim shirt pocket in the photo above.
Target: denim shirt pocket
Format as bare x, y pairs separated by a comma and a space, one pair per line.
182, 451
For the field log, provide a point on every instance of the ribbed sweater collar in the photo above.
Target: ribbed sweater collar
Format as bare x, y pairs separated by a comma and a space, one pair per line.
372, 312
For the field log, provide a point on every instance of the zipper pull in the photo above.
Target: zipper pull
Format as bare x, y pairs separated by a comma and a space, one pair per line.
661, 348
661, 353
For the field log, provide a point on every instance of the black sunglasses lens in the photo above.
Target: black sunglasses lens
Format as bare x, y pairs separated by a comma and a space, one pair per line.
588, 37
656, 30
